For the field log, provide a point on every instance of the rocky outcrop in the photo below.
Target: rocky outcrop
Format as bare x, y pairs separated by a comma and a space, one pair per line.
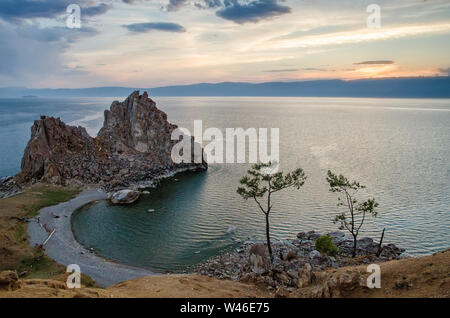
125, 197
134, 145
295, 263
57, 153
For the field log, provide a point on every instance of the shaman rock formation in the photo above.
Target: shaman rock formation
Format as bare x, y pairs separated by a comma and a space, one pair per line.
133, 146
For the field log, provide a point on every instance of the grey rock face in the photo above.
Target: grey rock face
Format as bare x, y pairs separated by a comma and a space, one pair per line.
136, 126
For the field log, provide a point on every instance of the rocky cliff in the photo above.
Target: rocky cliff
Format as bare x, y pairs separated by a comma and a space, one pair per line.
134, 145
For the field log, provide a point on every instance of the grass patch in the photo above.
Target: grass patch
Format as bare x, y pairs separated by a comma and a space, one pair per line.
19, 233
15, 252
47, 197
88, 282
39, 265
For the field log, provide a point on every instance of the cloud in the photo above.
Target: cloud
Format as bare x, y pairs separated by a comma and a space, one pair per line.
253, 11
175, 4
378, 62
314, 69
209, 4
14, 10
445, 71
151, 26
26, 9
54, 34
102, 8
282, 70
30, 53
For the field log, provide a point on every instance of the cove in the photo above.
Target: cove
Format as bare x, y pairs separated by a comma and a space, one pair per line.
167, 230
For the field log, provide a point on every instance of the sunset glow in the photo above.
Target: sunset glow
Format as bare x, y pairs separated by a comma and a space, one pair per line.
152, 43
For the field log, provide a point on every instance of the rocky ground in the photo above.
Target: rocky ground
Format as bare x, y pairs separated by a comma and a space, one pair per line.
427, 276
294, 260
9, 187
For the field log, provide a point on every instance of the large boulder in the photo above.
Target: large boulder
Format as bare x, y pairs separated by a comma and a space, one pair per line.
125, 197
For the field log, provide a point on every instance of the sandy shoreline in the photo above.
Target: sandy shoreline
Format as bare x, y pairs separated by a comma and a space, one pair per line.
64, 249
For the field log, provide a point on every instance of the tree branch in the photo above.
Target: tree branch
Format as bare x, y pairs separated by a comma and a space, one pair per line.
259, 204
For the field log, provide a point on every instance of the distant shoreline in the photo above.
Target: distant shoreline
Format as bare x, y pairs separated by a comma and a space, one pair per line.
42, 98
411, 87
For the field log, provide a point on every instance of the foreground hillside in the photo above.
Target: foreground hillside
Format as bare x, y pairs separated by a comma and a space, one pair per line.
428, 276
32, 274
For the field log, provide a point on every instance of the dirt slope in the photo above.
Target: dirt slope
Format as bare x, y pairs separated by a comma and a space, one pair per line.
427, 276
171, 286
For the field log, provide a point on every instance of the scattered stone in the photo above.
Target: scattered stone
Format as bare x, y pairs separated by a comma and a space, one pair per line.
402, 284
314, 254
312, 235
258, 259
337, 237
289, 256
364, 242
296, 264
9, 280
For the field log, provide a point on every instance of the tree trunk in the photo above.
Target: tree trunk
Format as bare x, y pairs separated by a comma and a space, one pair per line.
269, 247
380, 245
354, 246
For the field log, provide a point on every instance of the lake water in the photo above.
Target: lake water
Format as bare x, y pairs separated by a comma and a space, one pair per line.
398, 148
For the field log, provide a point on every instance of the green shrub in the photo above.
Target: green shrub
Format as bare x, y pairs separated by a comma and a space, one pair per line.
324, 244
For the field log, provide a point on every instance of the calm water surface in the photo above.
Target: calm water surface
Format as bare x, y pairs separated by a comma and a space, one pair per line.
398, 148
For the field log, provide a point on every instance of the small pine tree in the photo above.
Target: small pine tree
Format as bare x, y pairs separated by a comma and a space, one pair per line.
260, 182
353, 218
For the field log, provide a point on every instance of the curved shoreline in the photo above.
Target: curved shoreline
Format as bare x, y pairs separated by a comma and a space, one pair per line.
65, 249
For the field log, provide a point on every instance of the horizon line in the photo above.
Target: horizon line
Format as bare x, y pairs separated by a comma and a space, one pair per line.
238, 82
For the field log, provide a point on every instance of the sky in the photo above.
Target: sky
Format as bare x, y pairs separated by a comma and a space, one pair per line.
150, 43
